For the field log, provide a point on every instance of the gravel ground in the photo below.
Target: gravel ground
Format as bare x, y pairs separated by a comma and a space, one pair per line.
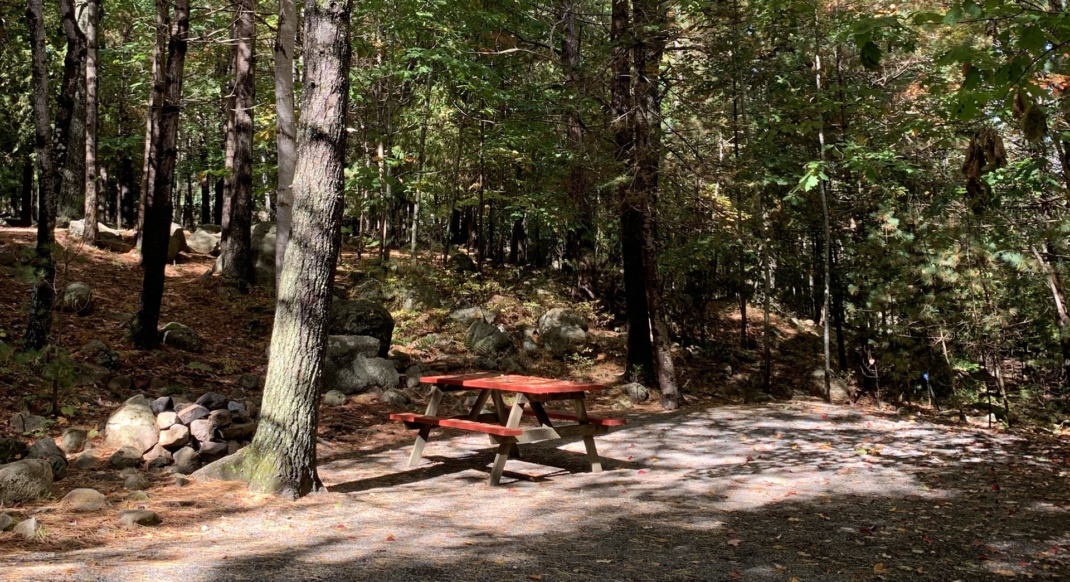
797, 491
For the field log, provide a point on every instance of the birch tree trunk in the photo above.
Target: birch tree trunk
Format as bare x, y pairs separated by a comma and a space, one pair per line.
282, 457
284, 112
90, 233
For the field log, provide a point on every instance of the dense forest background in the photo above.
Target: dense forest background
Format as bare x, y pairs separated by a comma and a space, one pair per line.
896, 172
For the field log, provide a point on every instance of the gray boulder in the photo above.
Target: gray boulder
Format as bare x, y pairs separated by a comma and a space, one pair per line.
29, 529
87, 460
157, 456
361, 375
166, 420
840, 392
262, 244
46, 449
181, 337
125, 457
192, 412
177, 243
25, 480
201, 430
99, 353
187, 460
136, 482
132, 425
12, 449
162, 404
212, 400
334, 398
486, 340
204, 241
470, 315
343, 348
73, 440
636, 392
77, 298
25, 422
412, 377
394, 398
6, 522
175, 437
562, 331
363, 318
84, 500
107, 237
139, 517
462, 263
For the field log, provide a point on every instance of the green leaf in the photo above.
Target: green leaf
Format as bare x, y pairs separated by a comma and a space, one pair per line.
1032, 39
871, 55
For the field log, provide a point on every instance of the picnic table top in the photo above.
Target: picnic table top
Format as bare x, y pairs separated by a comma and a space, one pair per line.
511, 383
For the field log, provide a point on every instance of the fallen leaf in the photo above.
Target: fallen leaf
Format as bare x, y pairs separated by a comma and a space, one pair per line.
878, 567
734, 543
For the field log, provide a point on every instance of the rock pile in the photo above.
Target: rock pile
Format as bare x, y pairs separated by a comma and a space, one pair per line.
172, 431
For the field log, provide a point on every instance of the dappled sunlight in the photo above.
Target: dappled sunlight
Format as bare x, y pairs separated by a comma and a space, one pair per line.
805, 490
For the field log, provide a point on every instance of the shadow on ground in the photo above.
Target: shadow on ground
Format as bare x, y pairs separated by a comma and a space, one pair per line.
797, 491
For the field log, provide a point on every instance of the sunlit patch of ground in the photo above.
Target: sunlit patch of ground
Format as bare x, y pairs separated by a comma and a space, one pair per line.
802, 490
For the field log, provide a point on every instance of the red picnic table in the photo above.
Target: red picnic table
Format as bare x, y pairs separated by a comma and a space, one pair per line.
504, 427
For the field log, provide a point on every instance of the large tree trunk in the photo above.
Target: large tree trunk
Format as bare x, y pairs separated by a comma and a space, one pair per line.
579, 242
41, 300
26, 206
284, 111
91, 187
640, 360
152, 120
158, 208
282, 456
236, 257
651, 19
72, 190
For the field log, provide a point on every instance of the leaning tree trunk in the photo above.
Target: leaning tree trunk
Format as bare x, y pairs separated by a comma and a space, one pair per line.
236, 259
158, 208
284, 112
91, 187
282, 457
650, 18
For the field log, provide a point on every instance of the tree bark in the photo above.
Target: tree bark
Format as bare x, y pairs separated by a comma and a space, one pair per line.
26, 206
158, 208
640, 360
1062, 318
152, 120
284, 111
579, 239
90, 233
237, 201
41, 300
72, 191
282, 457
651, 19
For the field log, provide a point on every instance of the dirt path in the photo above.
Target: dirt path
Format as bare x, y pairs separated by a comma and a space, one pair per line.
790, 491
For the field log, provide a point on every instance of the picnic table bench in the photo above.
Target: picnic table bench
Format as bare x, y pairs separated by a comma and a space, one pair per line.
503, 425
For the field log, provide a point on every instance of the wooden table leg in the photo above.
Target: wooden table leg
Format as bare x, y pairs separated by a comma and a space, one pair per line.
503, 418
588, 441
477, 408
499, 463
425, 431
540, 413
515, 414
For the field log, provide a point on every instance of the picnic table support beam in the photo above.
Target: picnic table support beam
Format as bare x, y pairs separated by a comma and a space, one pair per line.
504, 448
425, 431
588, 440
503, 418
499, 462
